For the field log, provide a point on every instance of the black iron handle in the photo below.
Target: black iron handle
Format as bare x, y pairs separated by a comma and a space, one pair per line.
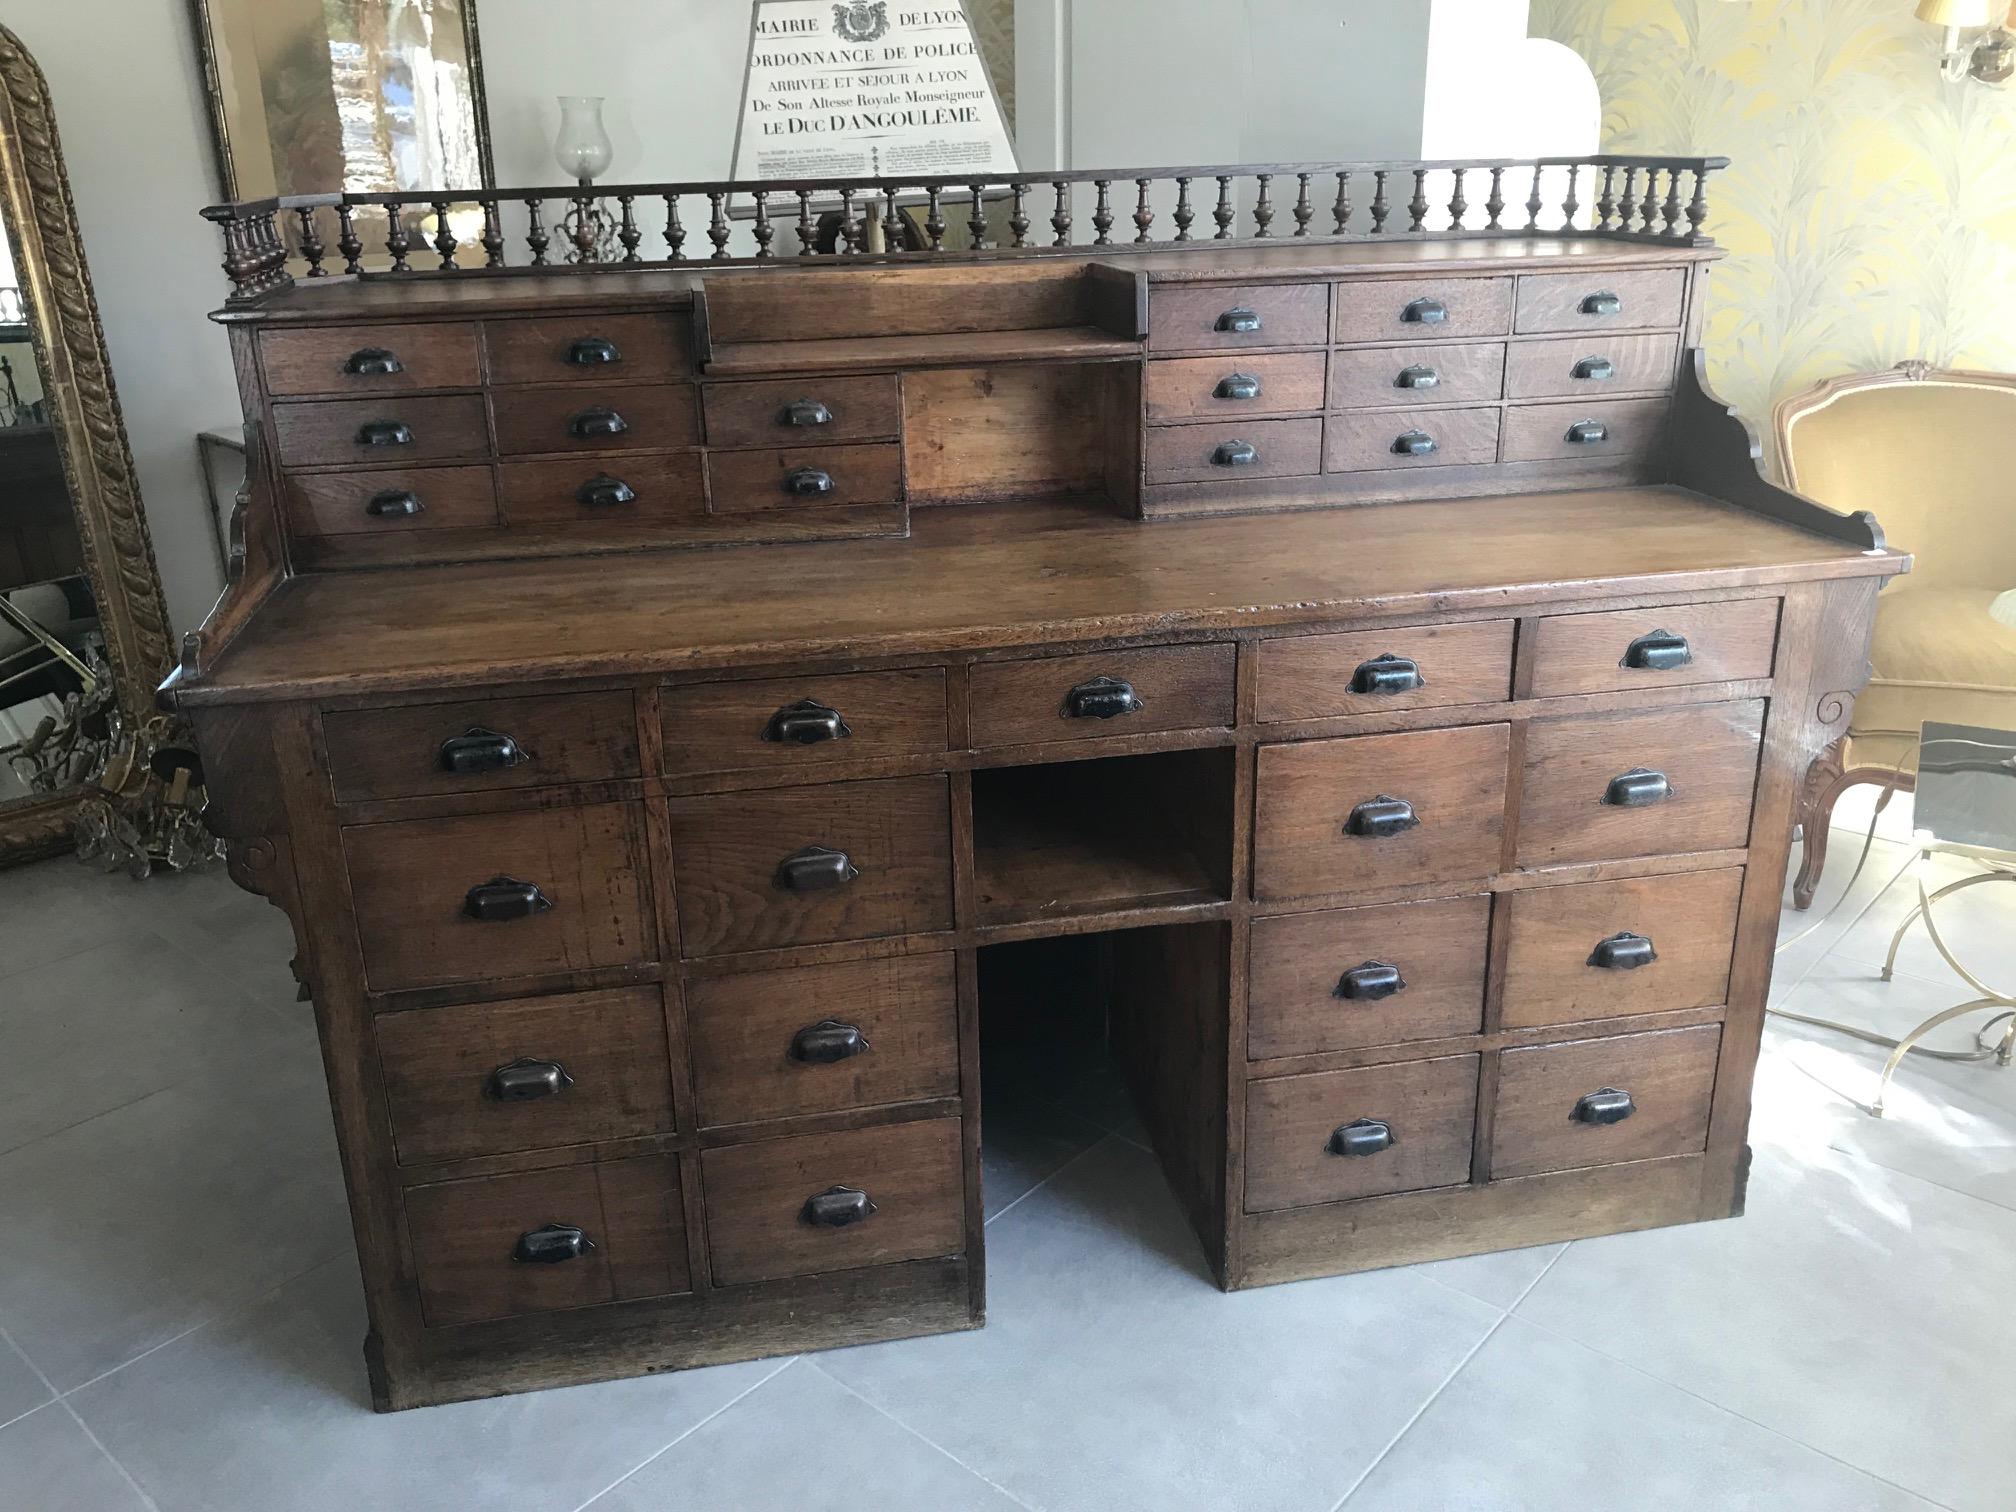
827, 1042
551, 1243
1381, 818
1425, 312
1588, 433
1362, 1136
1640, 787
1370, 982
372, 362
1417, 378
384, 433
804, 414
1237, 386
1657, 651
394, 503
1414, 443
1594, 370
806, 722
594, 424
1603, 302
1387, 673
594, 351
815, 869
808, 482
1608, 1105
1623, 951
1240, 321
1102, 698
477, 749
1235, 454
837, 1207
605, 492
505, 898
527, 1080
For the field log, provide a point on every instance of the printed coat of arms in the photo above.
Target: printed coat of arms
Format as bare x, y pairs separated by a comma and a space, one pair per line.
861, 21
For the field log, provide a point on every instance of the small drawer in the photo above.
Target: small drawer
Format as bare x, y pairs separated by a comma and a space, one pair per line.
394, 502
1601, 950
786, 722
594, 349
1616, 785
650, 417
1415, 309
1582, 366
811, 477
804, 411
387, 359
1414, 377
1655, 648
831, 1202
1601, 430
1106, 693
1379, 811
479, 744
485, 896
1371, 440
1337, 1135
820, 1039
1199, 388
1367, 671
491, 1078
799, 865
1231, 452
1234, 317
1605, 1101
1366, 976
611, 493
1597, 301
395, 431
544, 1241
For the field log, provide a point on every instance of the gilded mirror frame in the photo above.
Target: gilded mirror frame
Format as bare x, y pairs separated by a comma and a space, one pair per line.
41, 220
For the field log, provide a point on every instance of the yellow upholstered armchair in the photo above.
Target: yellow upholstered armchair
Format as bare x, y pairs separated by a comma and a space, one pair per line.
1933, 455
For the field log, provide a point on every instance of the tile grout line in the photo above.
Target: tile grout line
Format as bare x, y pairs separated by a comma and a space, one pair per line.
681, 1438
1053, 1176
56, 1399
920, 1437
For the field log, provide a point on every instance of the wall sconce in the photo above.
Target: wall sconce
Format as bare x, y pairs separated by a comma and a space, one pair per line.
1992, 57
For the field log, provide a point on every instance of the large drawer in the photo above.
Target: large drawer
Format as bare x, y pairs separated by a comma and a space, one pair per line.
384, 359
399, 429
1603, 1101
589, 348
1132, 692
475, 745
1417, 376
1617, 650
1233, 451
603, 493
808, 477
1591, 367
803, 411
1228, 387
1593, 301
1235, 317
1423, 309
600, 418
1367, 671
1336, 1135
1371, 440
390, 502
799, 722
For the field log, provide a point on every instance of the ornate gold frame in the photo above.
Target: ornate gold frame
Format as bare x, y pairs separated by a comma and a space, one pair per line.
69, 342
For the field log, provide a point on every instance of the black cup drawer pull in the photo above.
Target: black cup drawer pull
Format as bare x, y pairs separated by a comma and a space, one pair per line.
804, 414
1414, 443
505, 898
808, 482
1362, 1136
594, 351
1237, 386
1425, 312
394, 504
1588, 433
837, 1207
1658, 651
1623, 951
806, 722
827, 1043
1240, 321
1638, 788
478, 750
1102, 698
1370, 982
605, 492
1388, 673
1602, 302
1380, 818
1606, 1106
1418, 378
594, 424
1235, 454
527, 1080
373, 362
815, 869
1594, 370
550, 1244
384, 433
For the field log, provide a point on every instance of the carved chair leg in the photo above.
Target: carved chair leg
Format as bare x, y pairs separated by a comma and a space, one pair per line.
1816, 811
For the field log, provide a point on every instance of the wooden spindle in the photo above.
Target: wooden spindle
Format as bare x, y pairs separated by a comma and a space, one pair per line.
1144, 217
1534, 203
934, 220
396, 241
675, 230
1305, 212
764, 232
1457, 204
717, 223
583, 231
1570, 204
1341, 211
493, 234
311, 242
1670, 211
1697, 208
845, 241
1627, 201
808, 229
1102, 213
535, 231
1606, 203
238, 264
348, 242
444, 239
1417, 207
976, 220
1495, 205
627, 230
1060, 218
1186, 213
1381, 208
1018, 217
892, 221
1223, 214
1263, 205
1649, 206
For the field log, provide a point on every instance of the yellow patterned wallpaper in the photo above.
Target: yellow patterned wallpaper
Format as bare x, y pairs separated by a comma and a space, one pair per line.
1870, 208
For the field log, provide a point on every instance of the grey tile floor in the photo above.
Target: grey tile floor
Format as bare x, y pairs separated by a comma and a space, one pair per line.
180, 1315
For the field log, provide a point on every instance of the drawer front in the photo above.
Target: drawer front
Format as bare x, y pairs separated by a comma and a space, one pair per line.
1593, 790
1197, 388
581, 418
1594, 367
1370, 440
1406, 309
786, 722
394, 430
810, 477
803, 411
395, 502
1318, 1138
1078, 697
773, 1209
490, 1078
1655, 648
387, 359
480, 744
1596, 301
746, 882
1599, 950
1321, 981
819, 1039
1231, 451
432, 907
610, 493
589, 349
1601, 430
1367, 671
1235, 317
1550, 1103
1328, 817
1415, 377
468, 1237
